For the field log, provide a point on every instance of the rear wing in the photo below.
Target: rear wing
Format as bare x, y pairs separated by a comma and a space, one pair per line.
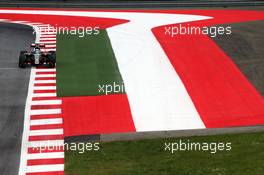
34, 45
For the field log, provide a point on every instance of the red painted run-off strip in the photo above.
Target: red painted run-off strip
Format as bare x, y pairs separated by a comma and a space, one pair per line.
222, 95
96, 114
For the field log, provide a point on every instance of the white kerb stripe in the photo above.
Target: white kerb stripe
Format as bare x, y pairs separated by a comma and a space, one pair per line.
46, 121
48, 33
46, 132
47, 50
44, 81
45, 168
47, 42
46, 155
48, 39
45, 143
46, 70
50, 45
46, 102
44, 87
48, 36
45, 75
45, 111
44, 95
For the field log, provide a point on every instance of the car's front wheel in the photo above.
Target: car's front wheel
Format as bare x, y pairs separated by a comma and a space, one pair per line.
22, 59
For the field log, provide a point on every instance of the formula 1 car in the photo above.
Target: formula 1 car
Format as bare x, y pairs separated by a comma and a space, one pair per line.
37, 57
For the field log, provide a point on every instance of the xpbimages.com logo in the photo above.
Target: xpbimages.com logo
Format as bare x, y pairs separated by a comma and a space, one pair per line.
211, 147
188, 29
111, 88
81, 31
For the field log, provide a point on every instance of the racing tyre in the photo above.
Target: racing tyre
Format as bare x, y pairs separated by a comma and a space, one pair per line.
22, 59
51, 59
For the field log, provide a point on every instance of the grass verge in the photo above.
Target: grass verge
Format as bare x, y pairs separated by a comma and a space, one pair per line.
85, 63
148, 157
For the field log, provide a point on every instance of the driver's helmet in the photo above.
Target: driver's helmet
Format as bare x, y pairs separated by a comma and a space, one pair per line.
37, 46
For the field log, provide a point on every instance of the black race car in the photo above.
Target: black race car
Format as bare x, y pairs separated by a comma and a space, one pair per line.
37, 57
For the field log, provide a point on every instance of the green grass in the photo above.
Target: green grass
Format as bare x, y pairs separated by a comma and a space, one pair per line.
147, 157
85, 63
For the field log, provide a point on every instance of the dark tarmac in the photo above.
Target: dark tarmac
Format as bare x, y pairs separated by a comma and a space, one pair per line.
13, 92
245, 46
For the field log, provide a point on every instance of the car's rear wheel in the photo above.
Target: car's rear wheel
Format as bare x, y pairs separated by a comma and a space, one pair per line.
22, 59
51, 59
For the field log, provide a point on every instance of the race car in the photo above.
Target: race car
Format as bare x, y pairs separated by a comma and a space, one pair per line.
37, 57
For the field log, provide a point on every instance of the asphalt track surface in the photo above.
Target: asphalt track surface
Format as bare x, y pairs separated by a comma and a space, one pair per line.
13, 92
245, 48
